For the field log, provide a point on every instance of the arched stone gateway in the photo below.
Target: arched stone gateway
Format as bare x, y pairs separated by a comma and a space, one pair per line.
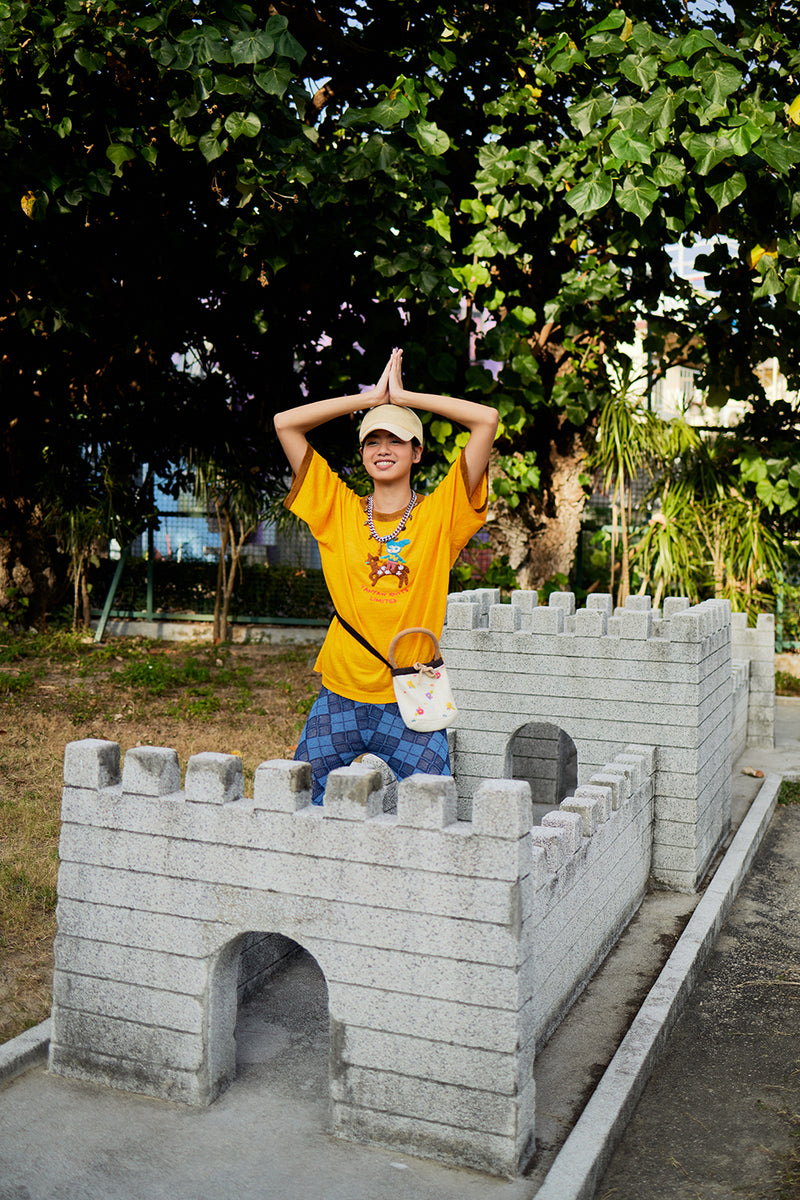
283, 1042
545, 757
439, 939
415, 919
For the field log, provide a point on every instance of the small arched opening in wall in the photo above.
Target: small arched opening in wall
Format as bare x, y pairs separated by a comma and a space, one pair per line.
269, 1026
546, 757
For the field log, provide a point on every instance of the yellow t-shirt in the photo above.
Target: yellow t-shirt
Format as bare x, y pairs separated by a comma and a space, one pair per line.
382, 588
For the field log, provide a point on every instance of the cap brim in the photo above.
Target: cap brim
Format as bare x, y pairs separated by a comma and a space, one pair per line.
397, 430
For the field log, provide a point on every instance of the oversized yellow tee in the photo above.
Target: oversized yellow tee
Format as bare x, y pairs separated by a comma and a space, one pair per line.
379, 588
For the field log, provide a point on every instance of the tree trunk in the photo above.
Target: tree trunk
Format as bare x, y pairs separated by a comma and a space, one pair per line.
625, 569
27, 564
230, 581
86, 602
237, 542
540, 536
76, 591
218, 633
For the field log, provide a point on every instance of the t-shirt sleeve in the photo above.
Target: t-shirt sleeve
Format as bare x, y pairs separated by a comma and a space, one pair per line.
464, 511
316, 491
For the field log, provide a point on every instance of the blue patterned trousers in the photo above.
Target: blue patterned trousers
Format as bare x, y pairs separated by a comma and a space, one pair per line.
339, 730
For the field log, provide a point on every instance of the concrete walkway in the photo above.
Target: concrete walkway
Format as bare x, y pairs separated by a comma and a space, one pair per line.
265, 1138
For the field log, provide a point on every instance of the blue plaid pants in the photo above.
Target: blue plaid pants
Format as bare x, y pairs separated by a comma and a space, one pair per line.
339, 730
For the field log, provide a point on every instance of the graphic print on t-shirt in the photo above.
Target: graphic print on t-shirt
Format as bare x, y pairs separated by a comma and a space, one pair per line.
390, 562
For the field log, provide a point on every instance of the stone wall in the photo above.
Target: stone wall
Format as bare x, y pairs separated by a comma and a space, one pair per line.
758, 647
740, 705
598, 848
452, 930
605, 677
449, 948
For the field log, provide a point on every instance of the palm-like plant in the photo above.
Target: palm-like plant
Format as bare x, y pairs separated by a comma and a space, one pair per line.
706, 536
630, 440
238, 505
670, 552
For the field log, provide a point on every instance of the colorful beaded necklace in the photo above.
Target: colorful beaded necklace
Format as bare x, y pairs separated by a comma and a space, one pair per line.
401, 526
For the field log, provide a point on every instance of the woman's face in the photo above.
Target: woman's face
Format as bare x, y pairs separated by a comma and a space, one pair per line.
388, 457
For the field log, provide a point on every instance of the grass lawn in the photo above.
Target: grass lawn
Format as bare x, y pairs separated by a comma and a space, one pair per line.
57, 688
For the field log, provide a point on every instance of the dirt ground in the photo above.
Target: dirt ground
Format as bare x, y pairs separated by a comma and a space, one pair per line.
245, 700
720, 1116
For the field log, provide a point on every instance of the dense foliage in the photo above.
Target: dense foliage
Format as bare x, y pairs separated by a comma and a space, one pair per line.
273, 195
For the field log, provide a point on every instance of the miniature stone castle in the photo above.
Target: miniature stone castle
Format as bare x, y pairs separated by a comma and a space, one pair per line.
694, 682
454, 932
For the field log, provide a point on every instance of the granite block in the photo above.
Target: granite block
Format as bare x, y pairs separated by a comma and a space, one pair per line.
427, 801
554, 843
151, 771
282, 785
564, 601
502, 809
353, 793
638, 604
524, 600
127, 1002
91, 763
505, 618
601, 601
426, 1059
214, 778
570, 823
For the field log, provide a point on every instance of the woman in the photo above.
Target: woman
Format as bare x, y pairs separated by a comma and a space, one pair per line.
386, 560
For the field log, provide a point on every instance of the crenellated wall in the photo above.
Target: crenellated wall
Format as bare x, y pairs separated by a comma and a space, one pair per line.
597, 848
757, 647
607, 677
450, 948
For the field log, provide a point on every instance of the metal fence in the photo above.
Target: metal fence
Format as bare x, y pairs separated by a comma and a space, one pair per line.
170, 571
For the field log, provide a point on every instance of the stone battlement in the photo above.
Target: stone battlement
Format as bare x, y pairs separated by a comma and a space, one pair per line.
454, 932
636, 621
550, 693
449, 948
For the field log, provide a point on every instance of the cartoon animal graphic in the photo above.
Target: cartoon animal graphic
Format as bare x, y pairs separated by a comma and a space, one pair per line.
379, 567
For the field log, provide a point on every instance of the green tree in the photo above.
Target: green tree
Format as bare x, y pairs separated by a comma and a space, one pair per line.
648, 133
281, 194
125, 255
630, 442
238, 507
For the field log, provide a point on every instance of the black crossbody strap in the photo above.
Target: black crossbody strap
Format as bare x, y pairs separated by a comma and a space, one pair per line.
361, 639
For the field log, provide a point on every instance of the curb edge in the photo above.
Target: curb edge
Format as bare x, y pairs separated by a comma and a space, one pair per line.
25, 1051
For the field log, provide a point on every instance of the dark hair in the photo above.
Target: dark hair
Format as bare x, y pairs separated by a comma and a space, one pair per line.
414, 442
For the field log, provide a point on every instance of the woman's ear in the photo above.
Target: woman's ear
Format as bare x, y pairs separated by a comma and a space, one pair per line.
417, 454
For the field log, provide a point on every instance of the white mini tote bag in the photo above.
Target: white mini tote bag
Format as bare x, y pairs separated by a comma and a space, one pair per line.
423, 691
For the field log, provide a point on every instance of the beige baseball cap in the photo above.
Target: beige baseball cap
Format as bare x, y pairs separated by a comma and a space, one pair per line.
402, 422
